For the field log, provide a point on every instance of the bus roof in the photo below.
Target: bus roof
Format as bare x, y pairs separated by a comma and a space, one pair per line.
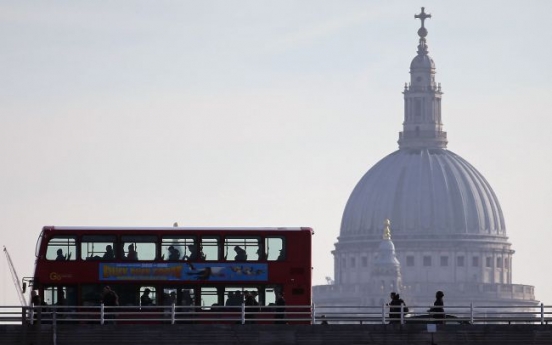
171, 228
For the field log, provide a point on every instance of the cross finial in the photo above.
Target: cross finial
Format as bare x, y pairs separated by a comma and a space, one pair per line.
422, 16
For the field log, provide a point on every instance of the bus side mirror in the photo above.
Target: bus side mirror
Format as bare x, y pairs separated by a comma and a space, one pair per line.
24, 287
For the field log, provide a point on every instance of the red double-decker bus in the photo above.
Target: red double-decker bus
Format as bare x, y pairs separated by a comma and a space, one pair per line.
162, 266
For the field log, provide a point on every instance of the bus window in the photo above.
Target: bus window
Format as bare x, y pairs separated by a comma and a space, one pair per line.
175, 248
148, 296
61, 248
235, 295
60, 295
97, 247
169, 296
275, 249
241, 248
178, 295
139, 248
269, 296
209, 298
188, 297
210, 248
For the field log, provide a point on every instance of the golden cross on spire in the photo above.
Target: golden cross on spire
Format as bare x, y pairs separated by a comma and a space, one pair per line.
422, 16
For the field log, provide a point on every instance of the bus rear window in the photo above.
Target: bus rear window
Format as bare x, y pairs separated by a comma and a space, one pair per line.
275, 249
61, 248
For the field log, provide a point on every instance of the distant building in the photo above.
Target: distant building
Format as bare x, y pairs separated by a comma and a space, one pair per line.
448, 230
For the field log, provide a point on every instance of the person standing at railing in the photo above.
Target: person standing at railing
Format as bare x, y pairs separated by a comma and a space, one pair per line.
396, 307
280, 308
438, 312
37, 305
145, 299
251, 304
110, 299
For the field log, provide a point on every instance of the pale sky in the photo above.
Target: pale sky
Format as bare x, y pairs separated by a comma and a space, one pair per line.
259, 113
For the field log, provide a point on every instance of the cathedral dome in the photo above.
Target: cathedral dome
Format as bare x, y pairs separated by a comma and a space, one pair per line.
425, 193
448, 227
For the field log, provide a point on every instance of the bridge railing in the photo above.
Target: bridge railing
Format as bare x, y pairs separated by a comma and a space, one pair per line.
313, 314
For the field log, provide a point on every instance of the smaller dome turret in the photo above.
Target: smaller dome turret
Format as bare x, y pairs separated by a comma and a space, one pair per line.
386, 267
386, 256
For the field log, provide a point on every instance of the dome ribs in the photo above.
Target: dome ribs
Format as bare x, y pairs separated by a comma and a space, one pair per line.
424, 192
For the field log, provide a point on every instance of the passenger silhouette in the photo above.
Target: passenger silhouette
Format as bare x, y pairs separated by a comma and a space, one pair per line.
109, 254
174, 254
438, 312
195, 254
110, 300
132, 254
280, 311
60, 256
395, 308
145, 299
241, 255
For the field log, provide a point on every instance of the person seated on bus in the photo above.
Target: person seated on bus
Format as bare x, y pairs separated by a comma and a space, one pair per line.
282, 256
241, 255
132, 254
174, 254
195, 254
60, 256
109, 253
262, 255
145, 299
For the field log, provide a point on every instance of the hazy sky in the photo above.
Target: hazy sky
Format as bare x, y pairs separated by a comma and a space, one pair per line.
259, 113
